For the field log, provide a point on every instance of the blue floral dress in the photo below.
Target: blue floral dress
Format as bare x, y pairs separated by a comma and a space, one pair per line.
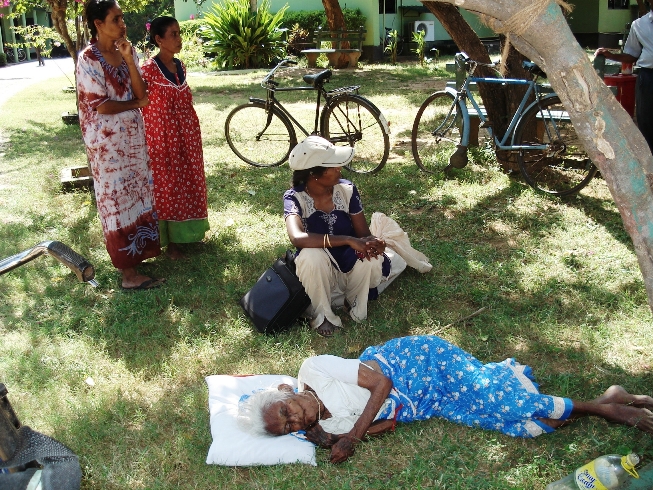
433, 378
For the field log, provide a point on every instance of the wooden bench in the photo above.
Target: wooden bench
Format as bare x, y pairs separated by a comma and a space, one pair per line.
336, 38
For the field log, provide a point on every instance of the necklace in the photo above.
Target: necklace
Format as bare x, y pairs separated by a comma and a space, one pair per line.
319, 411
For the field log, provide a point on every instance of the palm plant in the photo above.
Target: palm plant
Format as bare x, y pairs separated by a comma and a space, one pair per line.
240, 38
393, 44
420, 46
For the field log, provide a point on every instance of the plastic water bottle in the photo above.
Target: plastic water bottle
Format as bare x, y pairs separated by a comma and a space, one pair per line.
604, 473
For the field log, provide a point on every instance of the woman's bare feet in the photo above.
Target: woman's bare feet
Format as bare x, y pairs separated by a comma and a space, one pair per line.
173, 251
640, 418
615, 405
132, 280
617, 394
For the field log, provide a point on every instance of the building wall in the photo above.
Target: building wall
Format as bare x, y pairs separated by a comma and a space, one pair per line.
32, 17
594, 24
370, 8
593, 16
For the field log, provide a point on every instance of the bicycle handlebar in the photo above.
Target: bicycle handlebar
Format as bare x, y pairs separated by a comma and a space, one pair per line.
84, 271
268, 80
470, 64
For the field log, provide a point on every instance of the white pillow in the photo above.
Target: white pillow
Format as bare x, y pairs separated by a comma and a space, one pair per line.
233, 446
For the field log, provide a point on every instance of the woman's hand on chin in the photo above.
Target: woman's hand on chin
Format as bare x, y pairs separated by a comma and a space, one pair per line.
125, 49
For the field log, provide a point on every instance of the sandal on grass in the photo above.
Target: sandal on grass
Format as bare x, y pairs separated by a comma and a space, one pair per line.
149, 284
327, 329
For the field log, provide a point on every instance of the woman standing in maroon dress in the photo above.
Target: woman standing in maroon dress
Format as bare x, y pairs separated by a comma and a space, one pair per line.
111, 93
174, 143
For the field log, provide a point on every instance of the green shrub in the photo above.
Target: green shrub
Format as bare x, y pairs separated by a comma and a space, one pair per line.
311, 20
243, 39
393, 44
420, 46
188, 28
3, 59
193, 53
298, 39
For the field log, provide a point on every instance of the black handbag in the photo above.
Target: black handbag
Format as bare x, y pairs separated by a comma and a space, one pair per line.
277, 299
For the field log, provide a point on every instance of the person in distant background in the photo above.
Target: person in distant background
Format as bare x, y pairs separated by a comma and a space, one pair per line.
174, 143
38, 46
639, 49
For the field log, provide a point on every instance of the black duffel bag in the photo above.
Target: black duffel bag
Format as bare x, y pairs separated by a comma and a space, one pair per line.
277, 299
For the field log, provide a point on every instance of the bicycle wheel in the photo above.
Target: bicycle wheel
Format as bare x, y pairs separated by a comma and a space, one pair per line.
21, 55
436, 132
564, 167
259, 137
351, 120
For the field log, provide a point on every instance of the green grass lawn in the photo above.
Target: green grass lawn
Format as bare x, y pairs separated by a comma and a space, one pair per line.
559, 278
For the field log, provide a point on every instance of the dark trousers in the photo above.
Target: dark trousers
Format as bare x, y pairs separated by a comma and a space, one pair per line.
644, 104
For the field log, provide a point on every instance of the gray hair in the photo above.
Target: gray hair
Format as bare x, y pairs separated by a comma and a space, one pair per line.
252, 410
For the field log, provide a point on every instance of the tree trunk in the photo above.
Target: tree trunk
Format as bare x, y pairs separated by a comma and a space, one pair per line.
607, 131
499, 102
336, 21
59, 22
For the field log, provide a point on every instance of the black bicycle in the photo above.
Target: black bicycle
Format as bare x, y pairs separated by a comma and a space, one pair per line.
262, 132
22, 56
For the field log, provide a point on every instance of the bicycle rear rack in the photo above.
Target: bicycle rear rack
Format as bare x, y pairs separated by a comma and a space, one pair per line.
352, 89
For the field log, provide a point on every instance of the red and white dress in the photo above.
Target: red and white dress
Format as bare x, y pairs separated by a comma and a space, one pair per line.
117, 152
174, 143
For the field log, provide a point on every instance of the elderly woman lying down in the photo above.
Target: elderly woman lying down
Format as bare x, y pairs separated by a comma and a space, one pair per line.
340, 401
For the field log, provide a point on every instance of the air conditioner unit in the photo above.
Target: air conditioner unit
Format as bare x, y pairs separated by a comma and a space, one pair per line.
427, 27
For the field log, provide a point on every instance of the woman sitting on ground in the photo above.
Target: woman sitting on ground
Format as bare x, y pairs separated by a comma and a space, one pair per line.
340, 401
339, 261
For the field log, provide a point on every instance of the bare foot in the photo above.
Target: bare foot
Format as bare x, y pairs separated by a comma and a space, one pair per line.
174, 252
617, 394
133, 280
141, 282
326, 329
640, 418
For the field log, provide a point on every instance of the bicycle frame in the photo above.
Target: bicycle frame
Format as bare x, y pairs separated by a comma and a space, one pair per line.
501, 144
273, 101
321, 92
465, 94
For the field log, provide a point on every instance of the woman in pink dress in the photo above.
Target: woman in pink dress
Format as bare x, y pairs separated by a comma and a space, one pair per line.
174, 143
111, 93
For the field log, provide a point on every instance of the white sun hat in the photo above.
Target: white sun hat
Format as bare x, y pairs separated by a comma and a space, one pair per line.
316, 151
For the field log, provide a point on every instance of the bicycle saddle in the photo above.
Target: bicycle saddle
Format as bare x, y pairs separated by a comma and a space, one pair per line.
534, 69
318, 78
